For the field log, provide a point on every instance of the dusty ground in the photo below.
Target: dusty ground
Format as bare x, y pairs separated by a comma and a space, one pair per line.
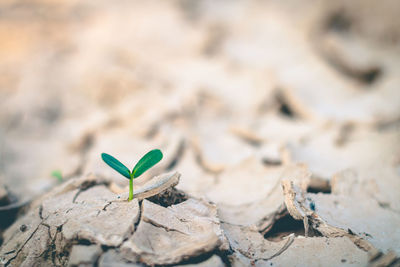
279, 123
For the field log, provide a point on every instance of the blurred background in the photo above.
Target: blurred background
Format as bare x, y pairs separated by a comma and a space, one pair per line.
211, 83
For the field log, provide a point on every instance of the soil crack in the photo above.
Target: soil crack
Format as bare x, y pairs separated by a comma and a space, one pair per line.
23, 245
166, 228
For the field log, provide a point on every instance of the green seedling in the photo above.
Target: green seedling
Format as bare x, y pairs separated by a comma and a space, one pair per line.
57, 174
145, 163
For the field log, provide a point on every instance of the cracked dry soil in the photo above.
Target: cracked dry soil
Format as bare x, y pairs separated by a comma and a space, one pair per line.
279, 122
84, 223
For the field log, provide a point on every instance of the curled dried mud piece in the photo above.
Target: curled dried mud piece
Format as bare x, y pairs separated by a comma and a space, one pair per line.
247, 135
262, 207
379, 259
250, 248
301, 207
250, 243
155, 186
341, 54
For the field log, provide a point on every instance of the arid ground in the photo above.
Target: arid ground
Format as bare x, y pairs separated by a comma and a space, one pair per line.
279, 122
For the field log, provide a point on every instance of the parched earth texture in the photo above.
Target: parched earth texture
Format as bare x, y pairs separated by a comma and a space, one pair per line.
279, 122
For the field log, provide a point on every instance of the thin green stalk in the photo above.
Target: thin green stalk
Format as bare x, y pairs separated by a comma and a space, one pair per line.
131, 188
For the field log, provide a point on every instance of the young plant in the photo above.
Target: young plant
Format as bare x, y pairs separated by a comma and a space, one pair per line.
57, 174
146, 162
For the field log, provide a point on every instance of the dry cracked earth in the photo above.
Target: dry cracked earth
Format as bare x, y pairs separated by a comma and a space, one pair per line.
279, 122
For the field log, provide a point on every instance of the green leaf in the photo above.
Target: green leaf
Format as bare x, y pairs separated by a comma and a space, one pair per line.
116, 165
57, 174
146, 162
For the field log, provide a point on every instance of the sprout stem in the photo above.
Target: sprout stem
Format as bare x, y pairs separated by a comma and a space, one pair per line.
130, 189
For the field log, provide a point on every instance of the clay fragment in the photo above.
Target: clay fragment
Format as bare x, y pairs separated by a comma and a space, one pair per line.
154, 186
171, 235
251, 249
362, 220
250, 193
68, 215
